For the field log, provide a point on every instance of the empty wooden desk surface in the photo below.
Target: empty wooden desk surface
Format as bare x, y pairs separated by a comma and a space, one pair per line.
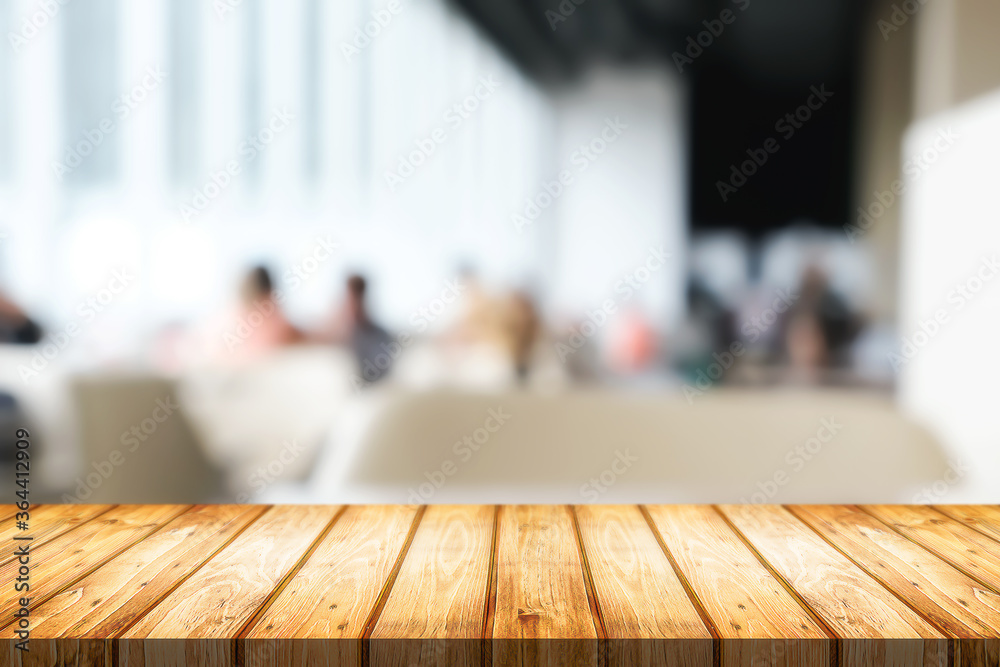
693, 585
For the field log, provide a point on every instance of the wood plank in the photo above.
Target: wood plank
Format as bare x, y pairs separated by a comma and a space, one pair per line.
9, 510
542, 611
320, 617
871, 621
968, 549
645, 611
741, 596
984, 518
73, 555
48, 522
954, 602
204, 614
436, 611
106, 602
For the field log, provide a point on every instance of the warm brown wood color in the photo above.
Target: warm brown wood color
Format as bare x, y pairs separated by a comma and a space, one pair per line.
540, 590
513, 585
870, 619
440, 592
639, 596
738, 592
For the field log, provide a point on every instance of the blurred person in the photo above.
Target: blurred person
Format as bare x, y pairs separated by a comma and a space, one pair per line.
16, 327
819, 328
519, 330
370, 344
252, 327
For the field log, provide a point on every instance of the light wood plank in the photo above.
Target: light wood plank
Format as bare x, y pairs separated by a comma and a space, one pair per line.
205, 613
870, 619
104, 603
541, 592
968, 549
741, 596
48, 522
646, 613
71, 556
435, 613
332, 596
984, 518
954, 602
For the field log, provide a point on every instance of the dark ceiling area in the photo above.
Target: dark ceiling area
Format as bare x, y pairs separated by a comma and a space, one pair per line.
745, 64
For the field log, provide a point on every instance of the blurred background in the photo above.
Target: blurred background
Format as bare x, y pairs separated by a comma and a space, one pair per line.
469, 251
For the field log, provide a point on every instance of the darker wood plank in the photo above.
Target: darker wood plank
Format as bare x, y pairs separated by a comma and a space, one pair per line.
435, 612
646, 613
542, 614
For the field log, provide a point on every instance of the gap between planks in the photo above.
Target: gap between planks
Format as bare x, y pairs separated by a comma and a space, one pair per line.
835, 643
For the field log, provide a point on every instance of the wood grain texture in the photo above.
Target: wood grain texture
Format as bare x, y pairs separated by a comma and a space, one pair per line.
962, 546
739, 594
871, 621
955, 603
73, 555
528, 585
440, 592
984, 518
213, 604
320, 617
638, 594
541, 594
48, 522
105, 602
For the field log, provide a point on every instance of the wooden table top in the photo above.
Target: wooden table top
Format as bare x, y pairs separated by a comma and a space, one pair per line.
693, 585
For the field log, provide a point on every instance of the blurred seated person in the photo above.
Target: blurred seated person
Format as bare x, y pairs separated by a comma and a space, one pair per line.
251, 328
519, 329
16, 327
372, 346
818, 329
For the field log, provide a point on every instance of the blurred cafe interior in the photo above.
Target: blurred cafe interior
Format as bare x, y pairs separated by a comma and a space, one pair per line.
431, 251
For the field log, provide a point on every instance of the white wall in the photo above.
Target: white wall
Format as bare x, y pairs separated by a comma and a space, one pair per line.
951, 228
626, 200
